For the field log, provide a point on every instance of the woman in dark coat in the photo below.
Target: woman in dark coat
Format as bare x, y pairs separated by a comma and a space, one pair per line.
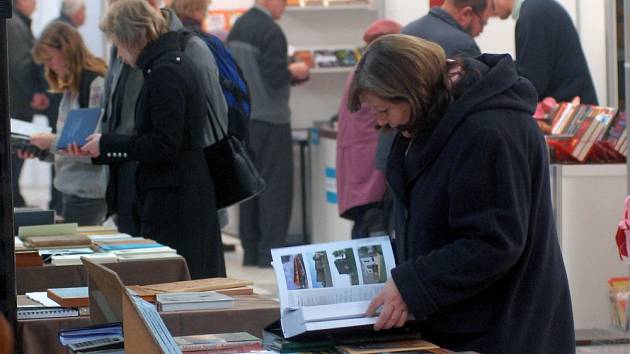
478, 256
176, 192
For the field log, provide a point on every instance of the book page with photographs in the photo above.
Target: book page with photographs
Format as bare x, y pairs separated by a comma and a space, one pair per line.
331, 273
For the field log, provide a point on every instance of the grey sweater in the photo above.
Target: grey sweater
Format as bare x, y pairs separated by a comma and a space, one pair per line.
77, 176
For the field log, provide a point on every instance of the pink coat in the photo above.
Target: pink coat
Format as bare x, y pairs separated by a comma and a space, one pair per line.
358, 181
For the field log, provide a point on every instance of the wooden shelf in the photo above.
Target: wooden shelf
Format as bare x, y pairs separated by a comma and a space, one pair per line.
365, 7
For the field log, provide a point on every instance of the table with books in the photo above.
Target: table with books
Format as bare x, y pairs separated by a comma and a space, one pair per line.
250, 313
48, 256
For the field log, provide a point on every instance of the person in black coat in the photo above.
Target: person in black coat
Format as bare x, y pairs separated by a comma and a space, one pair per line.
548, 49
478, 257
175, 188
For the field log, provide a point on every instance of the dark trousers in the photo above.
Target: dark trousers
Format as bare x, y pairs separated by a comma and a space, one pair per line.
16, 170
127, 216
83, 211
264, 220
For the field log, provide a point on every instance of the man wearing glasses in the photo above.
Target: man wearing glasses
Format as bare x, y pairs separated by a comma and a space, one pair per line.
453, 26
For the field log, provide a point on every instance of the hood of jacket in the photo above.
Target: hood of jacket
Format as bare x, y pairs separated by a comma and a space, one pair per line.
490, 83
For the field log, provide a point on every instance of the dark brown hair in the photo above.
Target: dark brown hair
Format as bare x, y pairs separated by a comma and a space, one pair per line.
403, 68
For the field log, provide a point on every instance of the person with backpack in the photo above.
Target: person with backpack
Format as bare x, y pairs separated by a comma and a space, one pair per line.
192, 13
78, 75
260, 48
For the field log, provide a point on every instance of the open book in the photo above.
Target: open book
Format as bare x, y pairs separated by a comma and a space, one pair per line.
330, 285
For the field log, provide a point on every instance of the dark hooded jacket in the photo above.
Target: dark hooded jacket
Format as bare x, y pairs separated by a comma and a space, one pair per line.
478, 255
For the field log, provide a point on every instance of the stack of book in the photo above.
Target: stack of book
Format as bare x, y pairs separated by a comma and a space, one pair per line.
582, 133
226, 286
53, 236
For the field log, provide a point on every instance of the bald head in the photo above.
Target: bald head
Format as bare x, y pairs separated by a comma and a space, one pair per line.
275, 7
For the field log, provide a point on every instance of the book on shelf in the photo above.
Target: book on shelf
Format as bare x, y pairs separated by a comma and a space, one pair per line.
577, 129
122, 258
69, 297
187, 301
330, 285
149, 295
133, 245
80, 123
233, 342
325, 58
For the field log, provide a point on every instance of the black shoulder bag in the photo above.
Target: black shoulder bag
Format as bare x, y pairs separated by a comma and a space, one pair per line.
235, 176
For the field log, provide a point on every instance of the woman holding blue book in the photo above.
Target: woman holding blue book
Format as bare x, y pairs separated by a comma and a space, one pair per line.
73, 71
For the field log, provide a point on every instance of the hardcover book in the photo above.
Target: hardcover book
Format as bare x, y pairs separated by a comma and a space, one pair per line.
237, 341
330, 285
79, 124
206, 300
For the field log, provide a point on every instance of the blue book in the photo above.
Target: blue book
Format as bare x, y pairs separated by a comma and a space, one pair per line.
80, 123
128, 246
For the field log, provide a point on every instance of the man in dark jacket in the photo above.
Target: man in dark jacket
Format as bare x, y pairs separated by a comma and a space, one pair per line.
548, 49
260, 49
453, 26
477, 251
25, 79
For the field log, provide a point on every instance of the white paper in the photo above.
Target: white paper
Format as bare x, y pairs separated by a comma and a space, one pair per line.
42, 298
20, 127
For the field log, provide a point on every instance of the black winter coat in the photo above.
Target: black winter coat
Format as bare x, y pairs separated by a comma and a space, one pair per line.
175, 189
478, 255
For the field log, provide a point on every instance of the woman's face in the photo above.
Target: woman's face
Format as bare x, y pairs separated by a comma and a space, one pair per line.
54, 60
388, 113
128, 55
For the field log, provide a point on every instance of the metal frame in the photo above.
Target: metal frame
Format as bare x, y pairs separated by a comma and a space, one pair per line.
8, 300
612, 86
626, 44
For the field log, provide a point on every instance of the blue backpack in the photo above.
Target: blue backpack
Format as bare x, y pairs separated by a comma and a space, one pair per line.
233, 84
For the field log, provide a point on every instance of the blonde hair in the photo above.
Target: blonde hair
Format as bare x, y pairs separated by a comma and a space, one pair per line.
187, 8
77, 57
133, 23
402, 68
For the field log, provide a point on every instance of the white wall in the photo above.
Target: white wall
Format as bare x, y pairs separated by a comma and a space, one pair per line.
48, 10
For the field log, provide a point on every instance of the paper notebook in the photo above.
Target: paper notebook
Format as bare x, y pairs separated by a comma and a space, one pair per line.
79, 124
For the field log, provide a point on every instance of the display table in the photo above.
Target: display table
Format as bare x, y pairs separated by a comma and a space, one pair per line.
31, 279
251, 313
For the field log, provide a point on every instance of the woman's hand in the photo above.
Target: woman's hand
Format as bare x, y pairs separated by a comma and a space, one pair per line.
394, 309
43, 140
92, 146
25, 155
